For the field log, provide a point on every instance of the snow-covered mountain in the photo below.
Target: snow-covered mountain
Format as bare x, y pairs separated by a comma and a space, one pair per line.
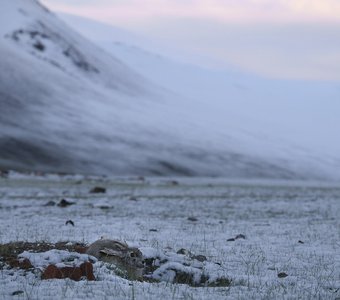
68, 106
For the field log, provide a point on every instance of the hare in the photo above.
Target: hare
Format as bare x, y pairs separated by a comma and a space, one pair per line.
120, 254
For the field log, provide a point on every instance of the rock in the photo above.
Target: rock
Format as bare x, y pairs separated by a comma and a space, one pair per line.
240, 236
69, 222
80, 249
65, 203
16, 293
231, 240
184, 252
4, 173
21, 264
282, 275
300, 242
133, 199
25, 264
50, 203
98, 190
87, 271
153, 230
51, 272
200, 258
73, 273
192, 219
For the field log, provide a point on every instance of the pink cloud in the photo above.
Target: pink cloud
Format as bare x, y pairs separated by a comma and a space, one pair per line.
239, 11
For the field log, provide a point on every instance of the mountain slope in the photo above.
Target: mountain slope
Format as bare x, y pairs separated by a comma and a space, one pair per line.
68, 106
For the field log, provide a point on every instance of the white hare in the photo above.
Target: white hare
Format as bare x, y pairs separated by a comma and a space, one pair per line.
119, 254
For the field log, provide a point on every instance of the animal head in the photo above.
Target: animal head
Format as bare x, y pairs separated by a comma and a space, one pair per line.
111, 249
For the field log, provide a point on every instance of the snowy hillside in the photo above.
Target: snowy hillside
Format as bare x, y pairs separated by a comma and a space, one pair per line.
68, 106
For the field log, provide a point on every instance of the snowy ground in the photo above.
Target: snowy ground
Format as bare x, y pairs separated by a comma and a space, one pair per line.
290, 227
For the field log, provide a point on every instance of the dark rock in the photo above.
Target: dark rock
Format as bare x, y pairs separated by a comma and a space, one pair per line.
51, 272
183, 251
69, 222
282, 275
240, 236
231, 240
87, 271
133, 199
16, 293
301, 242
65, 203
98, 190
192, 219
4, 173
39, 46
200, 258
220, 282
153, 230
50, 203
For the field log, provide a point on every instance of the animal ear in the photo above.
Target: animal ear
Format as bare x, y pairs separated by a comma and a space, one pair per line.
111, 252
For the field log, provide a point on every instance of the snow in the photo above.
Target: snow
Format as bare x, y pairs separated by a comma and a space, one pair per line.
273, 215
75, 108
59, 258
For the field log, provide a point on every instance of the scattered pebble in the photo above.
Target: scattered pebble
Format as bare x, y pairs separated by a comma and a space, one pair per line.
16, 293
240, 236
69, 222
98, 190
200, 258
282, 275
65, 203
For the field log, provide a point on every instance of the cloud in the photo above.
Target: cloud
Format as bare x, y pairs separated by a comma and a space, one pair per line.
221, 10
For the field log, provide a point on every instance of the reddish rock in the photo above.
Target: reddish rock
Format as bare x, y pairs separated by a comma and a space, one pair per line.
25, 264
73, 273
87, 270
16, 263
52, 272
80, 249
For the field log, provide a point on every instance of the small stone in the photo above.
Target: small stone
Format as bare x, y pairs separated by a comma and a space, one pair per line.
192, 219
16, 293
69, 222
153, 230
240, 236
200, 258
282, 275
50, 203
25, 264
183, 251
80, 249
65, 203
87, 270
231, 240
301, 242
133, 199
98, 190
51, 272
73, 273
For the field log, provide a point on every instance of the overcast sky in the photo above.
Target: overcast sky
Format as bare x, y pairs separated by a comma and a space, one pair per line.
276, 38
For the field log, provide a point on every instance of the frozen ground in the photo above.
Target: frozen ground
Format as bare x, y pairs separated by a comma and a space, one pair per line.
290, 227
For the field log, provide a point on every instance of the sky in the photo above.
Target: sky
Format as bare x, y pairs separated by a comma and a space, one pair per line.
293, 39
